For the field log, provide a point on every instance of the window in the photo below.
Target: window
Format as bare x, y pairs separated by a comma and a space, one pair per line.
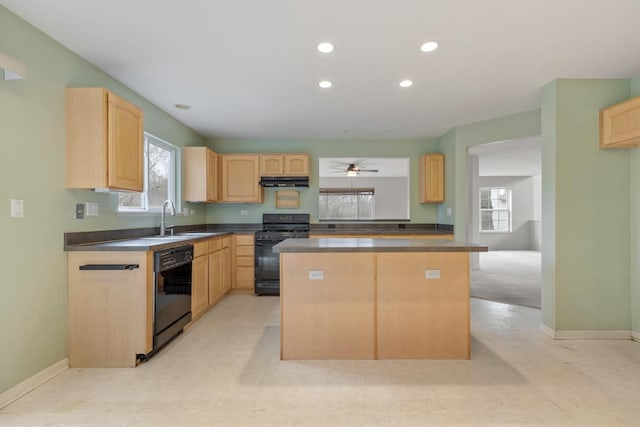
495, 210
346, 203
160, 161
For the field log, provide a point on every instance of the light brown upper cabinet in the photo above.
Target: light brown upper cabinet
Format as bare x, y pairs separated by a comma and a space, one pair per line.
104, 141
432, 178
200, 174
239, 178
620, 125
289, 164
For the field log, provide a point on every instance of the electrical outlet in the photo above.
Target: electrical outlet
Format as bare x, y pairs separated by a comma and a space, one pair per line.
17, 208
92, 209
244, 212
432, 274
316, 275
449, 212
185, 211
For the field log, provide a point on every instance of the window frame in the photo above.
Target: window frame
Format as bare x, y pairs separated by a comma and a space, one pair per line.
174, 178
508, 210
369, 191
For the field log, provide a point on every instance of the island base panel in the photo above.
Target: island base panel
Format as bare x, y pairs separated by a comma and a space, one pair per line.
420, 317
330, 317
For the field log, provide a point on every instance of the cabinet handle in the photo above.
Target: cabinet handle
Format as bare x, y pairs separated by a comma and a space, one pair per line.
109, 266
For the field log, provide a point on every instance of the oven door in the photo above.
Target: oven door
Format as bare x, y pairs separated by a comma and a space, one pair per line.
267, 268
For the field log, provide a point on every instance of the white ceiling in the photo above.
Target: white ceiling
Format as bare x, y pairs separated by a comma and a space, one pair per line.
521, 157
249, 68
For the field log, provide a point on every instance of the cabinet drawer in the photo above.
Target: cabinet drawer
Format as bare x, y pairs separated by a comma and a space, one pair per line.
244, 276
200, 248
244, 239
215, 245
226, 242
245, 261
244, 251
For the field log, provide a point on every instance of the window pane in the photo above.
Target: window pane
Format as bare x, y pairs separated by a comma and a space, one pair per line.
351, 204
130, 200
159, 169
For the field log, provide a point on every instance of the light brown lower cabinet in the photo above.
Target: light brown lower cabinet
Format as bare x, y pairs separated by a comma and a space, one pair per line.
199, 279
244, 264
110, 312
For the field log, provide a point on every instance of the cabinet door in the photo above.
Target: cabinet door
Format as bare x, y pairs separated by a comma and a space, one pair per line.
620, 125
199, 285
296, 164
212, 176
271, 164
240, 177
226, 270
125, 145
432, 178
215, 276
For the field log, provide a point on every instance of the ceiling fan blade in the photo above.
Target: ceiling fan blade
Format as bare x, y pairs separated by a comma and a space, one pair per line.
369, 170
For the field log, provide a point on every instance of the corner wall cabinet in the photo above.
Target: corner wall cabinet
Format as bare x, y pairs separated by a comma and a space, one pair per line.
432, 178
200, 174
287, 164
239, 178
620, 125
104, 141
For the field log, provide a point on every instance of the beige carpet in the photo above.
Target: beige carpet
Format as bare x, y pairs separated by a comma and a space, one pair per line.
511, 277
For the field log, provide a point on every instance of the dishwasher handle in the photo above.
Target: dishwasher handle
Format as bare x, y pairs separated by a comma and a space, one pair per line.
109, 266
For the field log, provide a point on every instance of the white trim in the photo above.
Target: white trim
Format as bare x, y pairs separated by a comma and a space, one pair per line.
31, 383
635, 335
588, 334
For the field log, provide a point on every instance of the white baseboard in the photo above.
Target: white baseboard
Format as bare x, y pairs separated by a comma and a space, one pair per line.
29, 384
588, 334
635, 335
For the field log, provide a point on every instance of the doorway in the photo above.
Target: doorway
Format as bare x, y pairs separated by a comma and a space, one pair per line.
505, 214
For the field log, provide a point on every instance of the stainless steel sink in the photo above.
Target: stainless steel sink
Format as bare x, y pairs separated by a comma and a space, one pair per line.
168, 238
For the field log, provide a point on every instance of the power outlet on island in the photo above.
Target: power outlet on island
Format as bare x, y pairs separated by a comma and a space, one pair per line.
316, 275
432, 274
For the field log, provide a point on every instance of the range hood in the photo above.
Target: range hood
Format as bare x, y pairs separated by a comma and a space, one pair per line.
284, 181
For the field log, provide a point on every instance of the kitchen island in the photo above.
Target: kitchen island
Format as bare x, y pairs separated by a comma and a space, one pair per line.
368, 298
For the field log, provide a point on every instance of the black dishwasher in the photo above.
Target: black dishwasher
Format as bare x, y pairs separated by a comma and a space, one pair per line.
172, 302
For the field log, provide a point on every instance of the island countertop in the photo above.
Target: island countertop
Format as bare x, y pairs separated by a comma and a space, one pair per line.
375, 245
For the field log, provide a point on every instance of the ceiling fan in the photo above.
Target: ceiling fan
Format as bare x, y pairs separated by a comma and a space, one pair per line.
352, 170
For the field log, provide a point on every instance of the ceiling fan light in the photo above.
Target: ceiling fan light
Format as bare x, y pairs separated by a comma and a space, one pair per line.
352, 173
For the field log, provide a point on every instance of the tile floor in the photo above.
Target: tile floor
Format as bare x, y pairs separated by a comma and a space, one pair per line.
226, 371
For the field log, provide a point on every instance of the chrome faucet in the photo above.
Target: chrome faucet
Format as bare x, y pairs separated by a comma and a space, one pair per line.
172, 212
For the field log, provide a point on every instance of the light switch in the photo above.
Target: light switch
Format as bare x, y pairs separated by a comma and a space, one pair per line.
449, 212
185, 211
432, 274
17, 208
316, 275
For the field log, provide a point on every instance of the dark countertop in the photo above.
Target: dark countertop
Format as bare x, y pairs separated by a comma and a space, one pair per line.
148, 243
378, 231
329, 245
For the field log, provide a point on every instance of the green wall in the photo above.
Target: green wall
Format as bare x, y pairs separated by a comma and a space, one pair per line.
455, 144
635, 227
33, 317
230, 213
586, 262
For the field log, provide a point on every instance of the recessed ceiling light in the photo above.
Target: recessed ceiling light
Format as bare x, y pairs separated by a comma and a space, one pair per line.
389, 131
349, 131
325, 84
325, 47
182, 106
429, 46
406, 83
